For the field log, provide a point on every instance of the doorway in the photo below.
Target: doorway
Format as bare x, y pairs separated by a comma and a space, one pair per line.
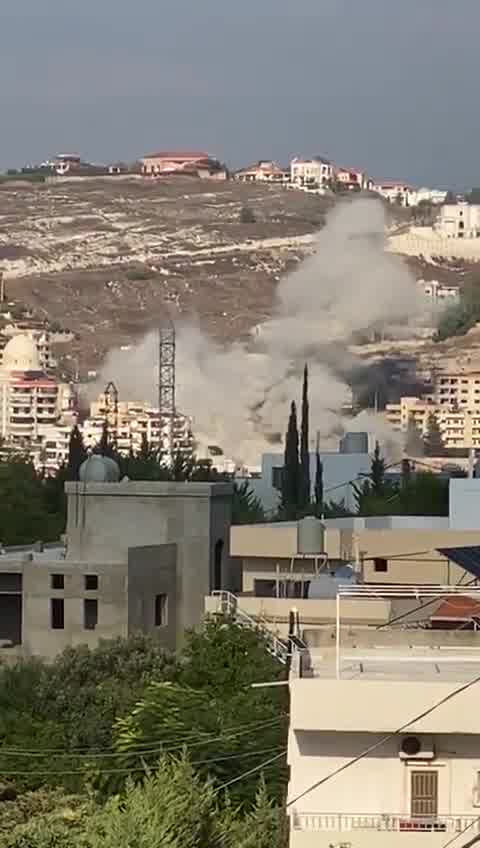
424, 794
217, 565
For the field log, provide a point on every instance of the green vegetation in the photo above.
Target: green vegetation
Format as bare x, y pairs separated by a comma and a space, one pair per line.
160, 750
460, 318
247, 215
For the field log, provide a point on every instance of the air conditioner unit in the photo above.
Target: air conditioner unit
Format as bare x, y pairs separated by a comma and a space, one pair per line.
417, 748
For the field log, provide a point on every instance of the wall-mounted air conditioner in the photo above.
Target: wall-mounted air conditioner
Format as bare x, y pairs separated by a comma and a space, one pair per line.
417, 748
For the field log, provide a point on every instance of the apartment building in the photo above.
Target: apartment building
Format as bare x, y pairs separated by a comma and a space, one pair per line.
394, 191
355, 779
438, 294
459, 220
30, 400
131, 422
314, 172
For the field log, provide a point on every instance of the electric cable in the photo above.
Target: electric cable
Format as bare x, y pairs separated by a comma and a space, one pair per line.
67, 773
458, 835
251, 771
376, 745
153, 747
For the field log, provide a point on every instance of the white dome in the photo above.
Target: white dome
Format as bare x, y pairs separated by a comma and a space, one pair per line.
21, 354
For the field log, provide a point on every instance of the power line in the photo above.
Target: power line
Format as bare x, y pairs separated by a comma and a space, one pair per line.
385, 739
68, 773
458, 835
251, 771
154, 747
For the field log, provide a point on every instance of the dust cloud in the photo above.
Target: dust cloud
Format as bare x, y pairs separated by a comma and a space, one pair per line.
239, 396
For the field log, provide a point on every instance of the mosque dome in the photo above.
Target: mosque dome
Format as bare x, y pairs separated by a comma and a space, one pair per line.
99, 469
21, 354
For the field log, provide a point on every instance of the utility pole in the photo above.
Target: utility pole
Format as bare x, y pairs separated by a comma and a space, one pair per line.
166, 381
2, 287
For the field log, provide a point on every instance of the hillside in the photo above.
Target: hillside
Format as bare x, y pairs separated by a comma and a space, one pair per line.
108, 259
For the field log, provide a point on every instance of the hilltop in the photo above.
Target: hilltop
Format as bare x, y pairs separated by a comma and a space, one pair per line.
108, 259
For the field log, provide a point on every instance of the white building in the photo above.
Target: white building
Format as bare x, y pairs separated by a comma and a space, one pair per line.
315, 172
264, 171
394, 191
384, 743
459, 220
29, 399
437, 294
428, 195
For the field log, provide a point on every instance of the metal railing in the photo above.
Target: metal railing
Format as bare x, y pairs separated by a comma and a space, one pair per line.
343, 823
228, 603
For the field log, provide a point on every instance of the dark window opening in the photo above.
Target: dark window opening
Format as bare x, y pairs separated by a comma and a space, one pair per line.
11, 619
10, 582
161, 610
57, 581
217, 565
91, 582
380, 565
57, 613
277, 478
90, 613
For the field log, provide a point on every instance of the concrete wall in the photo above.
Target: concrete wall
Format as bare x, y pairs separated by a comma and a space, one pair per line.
379, 784
464, 506
153, 571
38, 637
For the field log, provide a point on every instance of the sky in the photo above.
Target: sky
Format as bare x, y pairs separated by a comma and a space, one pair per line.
386, 85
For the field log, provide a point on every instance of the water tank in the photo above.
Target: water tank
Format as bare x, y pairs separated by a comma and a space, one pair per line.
99, 469
327, 583
310, 536
354, 443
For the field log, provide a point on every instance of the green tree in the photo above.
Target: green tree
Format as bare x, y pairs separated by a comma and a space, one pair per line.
262, 827
291, 468
246, 507
247, 215
212, 699
304, 488
76, 453
377, 472
25, 515
433, 441
318, 478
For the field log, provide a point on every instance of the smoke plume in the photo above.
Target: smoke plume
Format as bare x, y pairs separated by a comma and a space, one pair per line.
239, 396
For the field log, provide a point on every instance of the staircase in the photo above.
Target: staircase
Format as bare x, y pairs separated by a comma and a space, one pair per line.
228, 605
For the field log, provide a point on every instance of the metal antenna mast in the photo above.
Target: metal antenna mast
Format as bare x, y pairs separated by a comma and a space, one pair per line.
166, 380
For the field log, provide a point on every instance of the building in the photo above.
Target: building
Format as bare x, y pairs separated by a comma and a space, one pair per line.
437, 294
394, 191
133, 422
174, 162
351, 178
459, 220
340, 469
384, 741
30, 400
316, 172
264, 171
118, 576
427, 195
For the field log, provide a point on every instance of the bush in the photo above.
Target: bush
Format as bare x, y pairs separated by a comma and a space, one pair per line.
247, 215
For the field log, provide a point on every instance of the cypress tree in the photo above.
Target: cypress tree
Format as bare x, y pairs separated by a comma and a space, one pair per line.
433, 440
291, 468
304, 494
318, 478
76, 453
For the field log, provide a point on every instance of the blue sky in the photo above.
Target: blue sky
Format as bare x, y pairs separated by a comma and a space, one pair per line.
389, 85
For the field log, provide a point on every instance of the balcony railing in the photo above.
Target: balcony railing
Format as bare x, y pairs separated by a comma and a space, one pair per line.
344, 823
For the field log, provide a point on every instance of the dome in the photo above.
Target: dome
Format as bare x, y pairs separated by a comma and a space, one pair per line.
21, 354
99, 469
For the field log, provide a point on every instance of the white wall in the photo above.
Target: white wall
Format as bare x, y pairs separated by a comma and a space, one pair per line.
464, 505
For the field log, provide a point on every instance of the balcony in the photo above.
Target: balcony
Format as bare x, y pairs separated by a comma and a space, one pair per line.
387, 823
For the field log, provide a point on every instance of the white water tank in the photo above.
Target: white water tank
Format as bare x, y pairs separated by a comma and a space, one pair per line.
310, 536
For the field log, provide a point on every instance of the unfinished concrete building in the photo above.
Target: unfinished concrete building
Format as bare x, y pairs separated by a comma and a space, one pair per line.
140, 557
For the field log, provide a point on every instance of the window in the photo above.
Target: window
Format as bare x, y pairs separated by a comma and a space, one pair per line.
424, 794
277, 475
91, 582
90, 613
57, 581
10, 582
380, 564
57, 613
161, 610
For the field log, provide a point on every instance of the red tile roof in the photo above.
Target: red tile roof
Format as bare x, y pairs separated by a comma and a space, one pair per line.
458, 607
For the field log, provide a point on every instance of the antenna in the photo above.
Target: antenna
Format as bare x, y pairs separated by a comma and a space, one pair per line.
166, 380
111, 408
